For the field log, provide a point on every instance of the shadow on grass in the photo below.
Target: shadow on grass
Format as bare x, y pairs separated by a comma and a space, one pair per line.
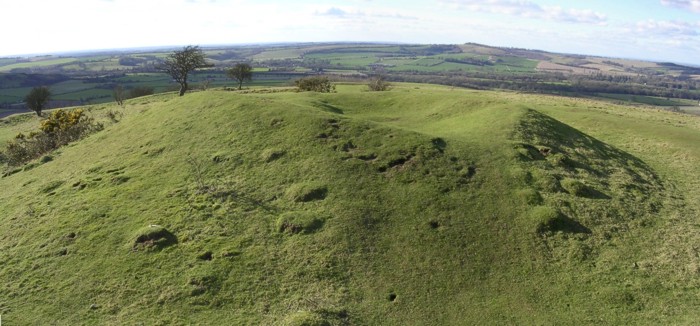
154, 237
330, 108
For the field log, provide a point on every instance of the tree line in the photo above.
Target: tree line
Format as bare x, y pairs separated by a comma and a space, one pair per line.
558, 83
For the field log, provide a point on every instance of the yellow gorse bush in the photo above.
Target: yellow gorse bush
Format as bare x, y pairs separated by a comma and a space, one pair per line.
61, 120
59, 128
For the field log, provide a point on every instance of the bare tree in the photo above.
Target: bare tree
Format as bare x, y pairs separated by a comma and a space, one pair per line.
180, 63
241, 72
205, 84
119, 94
37, 98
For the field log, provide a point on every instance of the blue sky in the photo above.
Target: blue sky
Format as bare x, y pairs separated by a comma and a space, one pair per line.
659, 30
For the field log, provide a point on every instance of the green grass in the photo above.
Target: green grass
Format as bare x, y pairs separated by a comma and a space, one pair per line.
424, 205
11, 126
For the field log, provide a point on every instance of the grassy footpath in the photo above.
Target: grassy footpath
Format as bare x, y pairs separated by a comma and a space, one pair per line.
421, 205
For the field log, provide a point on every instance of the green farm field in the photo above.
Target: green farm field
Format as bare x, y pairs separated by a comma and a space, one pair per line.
39, 63
422, 205
649, 100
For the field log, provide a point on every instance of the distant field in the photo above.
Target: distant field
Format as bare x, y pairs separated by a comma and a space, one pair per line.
345, 59
42, 63
466, 65
516, 62
649, 100
476, 48
430, 66
7, 61
294, 52
691, 109
556, 67
14, 95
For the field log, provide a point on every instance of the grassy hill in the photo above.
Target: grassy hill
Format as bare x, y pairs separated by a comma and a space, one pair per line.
423, 205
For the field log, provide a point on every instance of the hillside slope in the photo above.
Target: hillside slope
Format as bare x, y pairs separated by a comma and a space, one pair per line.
422, 205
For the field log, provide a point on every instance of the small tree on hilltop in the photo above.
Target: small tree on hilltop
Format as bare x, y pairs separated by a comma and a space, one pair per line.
241, 72
180, 63
37, 99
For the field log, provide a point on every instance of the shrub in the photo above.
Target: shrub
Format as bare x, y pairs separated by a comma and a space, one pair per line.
61, 120
60, 128
114, 116
319, 84
378, 84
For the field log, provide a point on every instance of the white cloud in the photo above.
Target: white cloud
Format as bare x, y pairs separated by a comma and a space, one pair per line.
667, 28
507, 7
575, 15
355, 13
333, 11
529, 9
692, 5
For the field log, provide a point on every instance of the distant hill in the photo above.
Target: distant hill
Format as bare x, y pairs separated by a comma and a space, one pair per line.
423, 205
89, 78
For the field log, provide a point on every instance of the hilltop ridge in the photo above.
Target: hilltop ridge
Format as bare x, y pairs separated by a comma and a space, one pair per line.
421, 205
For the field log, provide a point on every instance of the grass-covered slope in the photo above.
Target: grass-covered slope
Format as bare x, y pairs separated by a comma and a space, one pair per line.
422, 205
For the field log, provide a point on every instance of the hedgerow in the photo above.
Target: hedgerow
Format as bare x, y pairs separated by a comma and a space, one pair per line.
319, 84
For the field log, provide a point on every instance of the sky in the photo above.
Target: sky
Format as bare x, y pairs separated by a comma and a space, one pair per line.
657, 30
